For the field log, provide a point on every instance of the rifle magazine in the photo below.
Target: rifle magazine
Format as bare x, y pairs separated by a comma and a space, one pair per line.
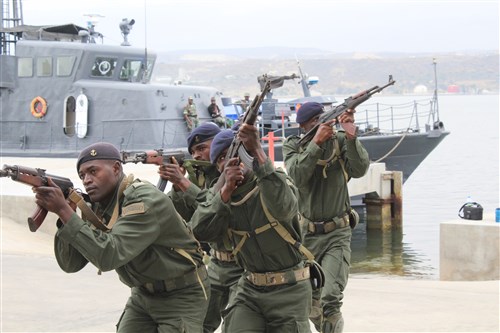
245, 157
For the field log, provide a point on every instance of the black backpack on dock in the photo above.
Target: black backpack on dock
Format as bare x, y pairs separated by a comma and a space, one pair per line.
471, 211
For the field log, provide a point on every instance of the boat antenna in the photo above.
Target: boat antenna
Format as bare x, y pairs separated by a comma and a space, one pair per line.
145, 64
435, 98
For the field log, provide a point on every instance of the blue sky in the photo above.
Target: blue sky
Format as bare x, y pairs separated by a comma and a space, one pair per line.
340, 25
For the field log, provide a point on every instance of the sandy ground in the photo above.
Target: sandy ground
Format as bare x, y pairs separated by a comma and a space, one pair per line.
36, 296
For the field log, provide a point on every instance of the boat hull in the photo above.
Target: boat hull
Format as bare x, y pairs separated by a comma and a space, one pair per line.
400, 152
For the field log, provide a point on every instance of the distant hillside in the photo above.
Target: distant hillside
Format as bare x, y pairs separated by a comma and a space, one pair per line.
235, 71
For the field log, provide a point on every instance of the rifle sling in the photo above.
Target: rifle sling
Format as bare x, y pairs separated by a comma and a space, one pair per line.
186, 255
123, 185
329, 161
76, 198
276, 225
281, 230
336, 156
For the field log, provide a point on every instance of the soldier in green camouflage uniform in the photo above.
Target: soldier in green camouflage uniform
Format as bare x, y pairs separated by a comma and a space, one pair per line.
254, 206
186, 193
216, 114
245, 102
148, 244
201, 173
190, 114
320, 171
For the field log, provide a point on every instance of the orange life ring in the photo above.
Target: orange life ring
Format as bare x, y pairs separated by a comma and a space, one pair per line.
38, 107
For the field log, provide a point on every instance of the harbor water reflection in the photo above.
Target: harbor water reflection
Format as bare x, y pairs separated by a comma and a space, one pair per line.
465, 164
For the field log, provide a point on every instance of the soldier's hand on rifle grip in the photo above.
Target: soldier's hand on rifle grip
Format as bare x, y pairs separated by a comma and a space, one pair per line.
233, 175
325, 132
249, 136
52, 199
347, 117
346, 120
175, 174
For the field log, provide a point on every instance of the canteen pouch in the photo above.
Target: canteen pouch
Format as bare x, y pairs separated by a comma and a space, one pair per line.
317, 275
353, 218
471, 211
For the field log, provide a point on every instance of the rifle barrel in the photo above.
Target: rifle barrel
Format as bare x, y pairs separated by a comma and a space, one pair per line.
349, 103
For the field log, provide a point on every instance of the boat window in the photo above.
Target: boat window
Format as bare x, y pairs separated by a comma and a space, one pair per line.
25, 67
130, 70
103, 67
44, 66
64, 65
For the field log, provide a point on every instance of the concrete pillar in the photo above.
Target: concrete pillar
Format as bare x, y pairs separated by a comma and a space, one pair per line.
384, 208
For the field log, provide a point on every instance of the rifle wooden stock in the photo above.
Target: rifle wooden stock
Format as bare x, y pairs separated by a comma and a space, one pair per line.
35, 177
349, 103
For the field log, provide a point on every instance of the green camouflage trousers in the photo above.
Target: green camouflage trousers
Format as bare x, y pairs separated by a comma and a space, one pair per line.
178, 311
333, 252
276, 309
223, 279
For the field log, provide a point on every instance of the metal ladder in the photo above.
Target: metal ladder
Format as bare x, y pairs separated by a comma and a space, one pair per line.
11, 16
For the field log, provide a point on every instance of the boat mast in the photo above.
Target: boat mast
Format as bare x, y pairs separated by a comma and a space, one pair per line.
11, 15
303, 81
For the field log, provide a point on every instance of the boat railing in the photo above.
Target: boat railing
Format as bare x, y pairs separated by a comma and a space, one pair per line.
379, 118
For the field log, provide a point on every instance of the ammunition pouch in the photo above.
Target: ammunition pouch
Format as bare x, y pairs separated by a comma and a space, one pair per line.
353, 218
316, 275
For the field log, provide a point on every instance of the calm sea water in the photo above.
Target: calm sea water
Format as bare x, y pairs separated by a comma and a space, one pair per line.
466, 163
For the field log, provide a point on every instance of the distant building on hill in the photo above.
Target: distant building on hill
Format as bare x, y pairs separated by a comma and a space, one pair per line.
420, 89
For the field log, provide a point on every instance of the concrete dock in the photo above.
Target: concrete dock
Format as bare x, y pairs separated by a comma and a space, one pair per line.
36, 296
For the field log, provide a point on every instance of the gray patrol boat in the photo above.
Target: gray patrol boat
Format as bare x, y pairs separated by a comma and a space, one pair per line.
61, 89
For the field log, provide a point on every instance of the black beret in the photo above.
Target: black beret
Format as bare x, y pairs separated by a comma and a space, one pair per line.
307, 111
98, 151
202, 133
221, 141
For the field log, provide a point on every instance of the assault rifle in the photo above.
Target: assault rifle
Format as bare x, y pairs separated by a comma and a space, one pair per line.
161, 157
157, 156
36, 177
236, 149
349, 103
